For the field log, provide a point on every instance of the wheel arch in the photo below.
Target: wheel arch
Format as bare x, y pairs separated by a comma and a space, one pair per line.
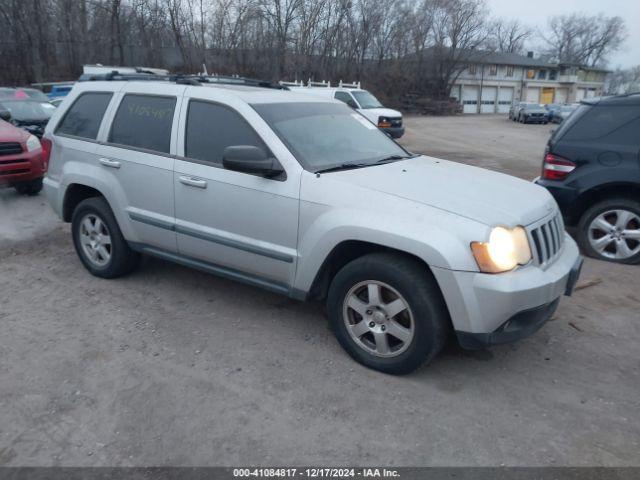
345, 252
602, 192
74, 194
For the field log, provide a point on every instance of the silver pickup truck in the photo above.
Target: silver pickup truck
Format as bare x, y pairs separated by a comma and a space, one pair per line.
305, 197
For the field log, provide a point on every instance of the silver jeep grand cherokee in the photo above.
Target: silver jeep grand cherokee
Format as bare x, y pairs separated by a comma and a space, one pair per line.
307, 198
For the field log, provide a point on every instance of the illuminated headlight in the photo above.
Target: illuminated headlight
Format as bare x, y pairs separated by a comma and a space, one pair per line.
33, 143
505, 250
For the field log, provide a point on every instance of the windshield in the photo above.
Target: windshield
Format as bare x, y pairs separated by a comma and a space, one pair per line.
365, 99
35, 94
325, 135
23, 110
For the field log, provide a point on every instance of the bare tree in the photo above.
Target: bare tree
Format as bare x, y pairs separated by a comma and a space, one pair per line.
624, 81
584, 39
508, 36
395, 46
458, 29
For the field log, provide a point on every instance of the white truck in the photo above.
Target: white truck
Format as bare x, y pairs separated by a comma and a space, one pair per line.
387, 120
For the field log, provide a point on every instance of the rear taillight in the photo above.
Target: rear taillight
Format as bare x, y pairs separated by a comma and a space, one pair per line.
46, 153
556, 168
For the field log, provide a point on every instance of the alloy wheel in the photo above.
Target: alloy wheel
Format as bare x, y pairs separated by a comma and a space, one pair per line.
95, 240
615, 234
378, 318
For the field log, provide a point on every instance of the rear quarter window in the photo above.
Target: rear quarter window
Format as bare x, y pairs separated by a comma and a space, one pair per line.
145, 122
604, 123
84, 117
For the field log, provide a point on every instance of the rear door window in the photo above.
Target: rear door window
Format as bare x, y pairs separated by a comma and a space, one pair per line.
211, 128
145, 122
602, 123
84, 117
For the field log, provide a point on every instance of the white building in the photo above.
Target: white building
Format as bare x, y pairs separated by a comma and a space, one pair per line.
491, 82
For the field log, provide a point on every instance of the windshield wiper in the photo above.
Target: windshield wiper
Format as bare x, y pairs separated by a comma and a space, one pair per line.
344, 166
395, 158
349, 165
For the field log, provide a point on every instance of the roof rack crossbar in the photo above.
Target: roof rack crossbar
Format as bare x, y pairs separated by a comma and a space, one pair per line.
186, 79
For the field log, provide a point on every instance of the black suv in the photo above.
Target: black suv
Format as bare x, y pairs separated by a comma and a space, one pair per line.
592, 168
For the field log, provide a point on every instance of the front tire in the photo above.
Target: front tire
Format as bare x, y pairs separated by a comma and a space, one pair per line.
30, 188
99, 242
388, 313
610, 231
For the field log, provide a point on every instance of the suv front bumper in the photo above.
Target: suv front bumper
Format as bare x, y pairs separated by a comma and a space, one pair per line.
491, 309
21, 167
395, 132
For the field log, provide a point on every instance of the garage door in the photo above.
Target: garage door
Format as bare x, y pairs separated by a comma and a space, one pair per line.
505, 99
561, 95
469, 99
580, 94
489, 95
533, 95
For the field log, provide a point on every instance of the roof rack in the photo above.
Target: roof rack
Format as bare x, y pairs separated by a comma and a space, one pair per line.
181, 79
322, 84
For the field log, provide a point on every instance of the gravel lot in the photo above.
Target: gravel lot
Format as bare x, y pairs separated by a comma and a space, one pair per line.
170, 366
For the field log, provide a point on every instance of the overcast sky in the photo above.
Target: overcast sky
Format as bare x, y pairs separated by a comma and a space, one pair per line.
536, 12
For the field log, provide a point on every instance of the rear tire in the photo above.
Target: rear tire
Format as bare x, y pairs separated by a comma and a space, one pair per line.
30, 188
388, 313
99, 242
610, 231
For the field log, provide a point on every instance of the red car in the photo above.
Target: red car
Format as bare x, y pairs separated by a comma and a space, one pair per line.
23, 160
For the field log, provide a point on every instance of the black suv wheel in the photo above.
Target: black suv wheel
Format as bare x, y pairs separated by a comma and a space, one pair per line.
610, 230
388, 313
99, 241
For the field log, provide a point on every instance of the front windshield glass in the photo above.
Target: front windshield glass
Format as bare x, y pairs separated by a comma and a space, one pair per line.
29, 110
326, 135
365, 99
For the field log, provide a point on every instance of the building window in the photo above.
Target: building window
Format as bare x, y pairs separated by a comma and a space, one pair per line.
472, 69
531, 74
542, 75
509, 70
553, 74
493, 70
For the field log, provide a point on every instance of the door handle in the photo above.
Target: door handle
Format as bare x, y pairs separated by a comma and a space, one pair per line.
193, 182
109, 163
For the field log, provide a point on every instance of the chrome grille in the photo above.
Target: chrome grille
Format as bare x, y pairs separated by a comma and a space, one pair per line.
546, 239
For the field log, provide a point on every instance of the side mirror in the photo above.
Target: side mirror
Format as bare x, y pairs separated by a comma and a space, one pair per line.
250, 159
5, 115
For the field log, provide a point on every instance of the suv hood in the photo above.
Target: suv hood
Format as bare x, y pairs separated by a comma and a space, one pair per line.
9, 133
482, 195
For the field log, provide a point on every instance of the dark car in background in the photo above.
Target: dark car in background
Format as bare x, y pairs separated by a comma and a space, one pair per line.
562, 113
533, 113
551, 109
30, 115
592, 168
514, 110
